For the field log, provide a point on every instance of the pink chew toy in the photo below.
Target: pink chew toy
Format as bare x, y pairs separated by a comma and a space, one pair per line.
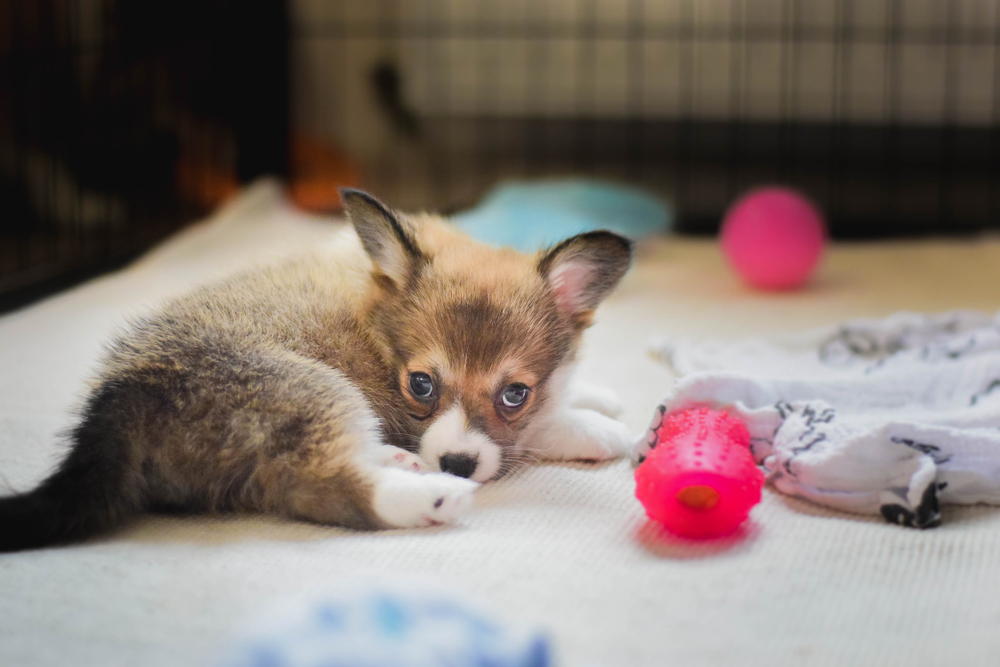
773, 237
700, 480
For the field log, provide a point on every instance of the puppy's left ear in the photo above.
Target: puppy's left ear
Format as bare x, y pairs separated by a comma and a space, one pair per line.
388, 239
582, 270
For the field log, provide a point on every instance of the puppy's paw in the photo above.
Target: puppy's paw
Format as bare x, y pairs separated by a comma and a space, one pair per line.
602, 437
404, 499
598, 398
391, 456
584, 435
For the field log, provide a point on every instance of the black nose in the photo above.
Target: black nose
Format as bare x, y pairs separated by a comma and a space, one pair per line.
460, 465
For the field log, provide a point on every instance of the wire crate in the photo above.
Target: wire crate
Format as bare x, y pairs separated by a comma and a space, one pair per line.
884, 111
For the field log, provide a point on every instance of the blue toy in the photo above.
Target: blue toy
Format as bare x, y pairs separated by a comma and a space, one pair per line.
532, 216
376, 627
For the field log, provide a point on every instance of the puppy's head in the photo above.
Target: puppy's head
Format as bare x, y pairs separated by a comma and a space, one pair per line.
476, 333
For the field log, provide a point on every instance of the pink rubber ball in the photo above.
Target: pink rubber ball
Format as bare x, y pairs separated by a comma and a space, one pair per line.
773, 237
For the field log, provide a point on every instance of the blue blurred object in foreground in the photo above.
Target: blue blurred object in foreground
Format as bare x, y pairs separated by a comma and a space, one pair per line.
379, 627
531, 216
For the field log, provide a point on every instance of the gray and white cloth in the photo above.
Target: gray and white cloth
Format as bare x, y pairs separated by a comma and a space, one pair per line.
892, 416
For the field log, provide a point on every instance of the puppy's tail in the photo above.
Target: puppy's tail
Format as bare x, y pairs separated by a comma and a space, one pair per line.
95, 488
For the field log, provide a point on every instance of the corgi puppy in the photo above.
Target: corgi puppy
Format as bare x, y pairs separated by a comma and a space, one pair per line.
374, 384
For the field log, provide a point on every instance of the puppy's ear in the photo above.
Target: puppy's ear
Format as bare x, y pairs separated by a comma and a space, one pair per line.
388, 240
582, 270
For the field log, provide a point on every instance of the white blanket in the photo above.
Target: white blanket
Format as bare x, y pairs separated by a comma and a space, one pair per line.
889, 417
563, 547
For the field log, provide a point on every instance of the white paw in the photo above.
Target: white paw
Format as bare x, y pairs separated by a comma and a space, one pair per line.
391, 456
594, 397
404, 499
583, 435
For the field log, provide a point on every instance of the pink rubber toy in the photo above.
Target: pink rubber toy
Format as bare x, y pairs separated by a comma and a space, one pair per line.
700, 480
773, 237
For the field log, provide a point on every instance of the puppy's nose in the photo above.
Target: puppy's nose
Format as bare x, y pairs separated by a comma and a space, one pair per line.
460, 465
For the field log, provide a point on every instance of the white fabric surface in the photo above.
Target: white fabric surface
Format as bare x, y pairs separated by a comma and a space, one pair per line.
562, 546
889, 417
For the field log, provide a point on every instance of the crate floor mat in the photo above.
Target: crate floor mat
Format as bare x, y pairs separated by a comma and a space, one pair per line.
561, 547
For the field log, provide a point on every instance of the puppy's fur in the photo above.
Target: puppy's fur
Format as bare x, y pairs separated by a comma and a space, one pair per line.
335, 387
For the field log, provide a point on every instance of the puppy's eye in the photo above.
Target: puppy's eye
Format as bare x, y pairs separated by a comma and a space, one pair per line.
421, 385
514, 395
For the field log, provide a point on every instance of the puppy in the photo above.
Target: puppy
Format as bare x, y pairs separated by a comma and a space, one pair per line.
371, 385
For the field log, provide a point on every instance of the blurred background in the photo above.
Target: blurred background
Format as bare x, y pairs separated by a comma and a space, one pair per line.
121, 120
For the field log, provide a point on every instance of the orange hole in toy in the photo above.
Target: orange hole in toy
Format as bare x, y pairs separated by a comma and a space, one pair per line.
698, 497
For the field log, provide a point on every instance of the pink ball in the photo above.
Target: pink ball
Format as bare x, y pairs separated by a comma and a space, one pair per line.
773, 237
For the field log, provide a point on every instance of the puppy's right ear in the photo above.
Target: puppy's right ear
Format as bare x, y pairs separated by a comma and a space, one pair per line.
387, 239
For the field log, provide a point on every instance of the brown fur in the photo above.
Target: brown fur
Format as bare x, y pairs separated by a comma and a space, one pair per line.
259, 393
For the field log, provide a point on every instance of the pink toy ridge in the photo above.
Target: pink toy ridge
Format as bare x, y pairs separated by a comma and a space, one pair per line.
700, 480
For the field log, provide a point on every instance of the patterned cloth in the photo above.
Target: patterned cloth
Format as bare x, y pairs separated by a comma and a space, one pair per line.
890, 417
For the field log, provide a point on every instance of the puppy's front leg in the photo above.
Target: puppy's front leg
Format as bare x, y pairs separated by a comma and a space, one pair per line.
574, 434
594, 397
405, 499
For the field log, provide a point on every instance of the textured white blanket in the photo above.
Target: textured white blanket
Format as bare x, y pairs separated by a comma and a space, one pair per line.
889, 416
563, 547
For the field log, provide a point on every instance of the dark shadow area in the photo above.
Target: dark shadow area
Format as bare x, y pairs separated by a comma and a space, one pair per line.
121, 121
